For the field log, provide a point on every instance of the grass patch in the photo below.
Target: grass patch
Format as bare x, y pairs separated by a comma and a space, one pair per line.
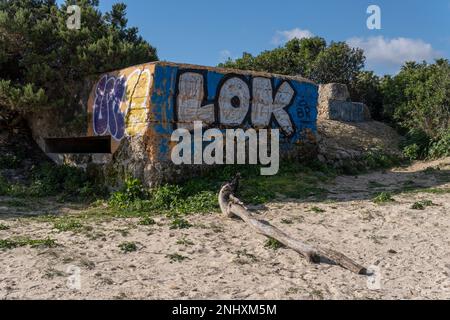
244, 257
199, 195
185, 242
383, 198
3, 227
22, 242
50, 180
176, 257
434, 190
147, 221
179, 223
70, 225
317, 210
273, 244
128, 247
173, 200
422, 205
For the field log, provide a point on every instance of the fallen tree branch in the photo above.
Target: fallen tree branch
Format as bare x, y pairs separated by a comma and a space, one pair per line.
232, 206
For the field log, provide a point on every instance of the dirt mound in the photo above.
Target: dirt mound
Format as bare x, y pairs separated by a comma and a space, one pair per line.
341, 141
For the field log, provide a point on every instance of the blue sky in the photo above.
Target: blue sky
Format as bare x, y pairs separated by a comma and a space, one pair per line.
206, 32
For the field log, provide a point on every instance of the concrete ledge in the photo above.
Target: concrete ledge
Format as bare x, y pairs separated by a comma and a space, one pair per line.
348, 111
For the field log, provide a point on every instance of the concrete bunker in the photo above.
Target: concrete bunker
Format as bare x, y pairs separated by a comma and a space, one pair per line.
130, 115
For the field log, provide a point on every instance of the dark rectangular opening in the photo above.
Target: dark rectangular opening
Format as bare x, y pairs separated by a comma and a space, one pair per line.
78, 145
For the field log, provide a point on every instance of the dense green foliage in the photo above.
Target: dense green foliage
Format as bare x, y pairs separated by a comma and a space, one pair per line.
51, 180
43, 63
310, 57
416, 100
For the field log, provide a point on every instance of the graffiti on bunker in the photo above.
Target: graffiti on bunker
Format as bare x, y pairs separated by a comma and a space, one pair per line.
120, 104
155, 99
237, 99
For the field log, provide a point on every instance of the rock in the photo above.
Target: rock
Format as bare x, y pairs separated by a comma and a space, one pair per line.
321, 158
335, 104
348, 111
334, 91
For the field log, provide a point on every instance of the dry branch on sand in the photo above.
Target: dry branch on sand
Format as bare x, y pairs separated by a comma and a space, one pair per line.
232, 206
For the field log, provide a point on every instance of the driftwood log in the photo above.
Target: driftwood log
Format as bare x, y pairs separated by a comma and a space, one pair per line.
232, 207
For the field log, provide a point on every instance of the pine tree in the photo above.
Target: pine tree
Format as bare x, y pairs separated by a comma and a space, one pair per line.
43, 63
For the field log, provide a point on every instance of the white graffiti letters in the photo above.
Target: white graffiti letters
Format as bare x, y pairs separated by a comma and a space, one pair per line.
234, 100
189, 101
264, 105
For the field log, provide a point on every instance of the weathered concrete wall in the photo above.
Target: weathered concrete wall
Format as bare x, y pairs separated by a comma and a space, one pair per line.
335, 104
140, 107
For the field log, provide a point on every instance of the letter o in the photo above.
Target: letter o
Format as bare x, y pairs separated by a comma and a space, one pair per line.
234, 101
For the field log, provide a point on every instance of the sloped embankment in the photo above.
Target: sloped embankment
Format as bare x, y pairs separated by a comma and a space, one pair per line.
341, 142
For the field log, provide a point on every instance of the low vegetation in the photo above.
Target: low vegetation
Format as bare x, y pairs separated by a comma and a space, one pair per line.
383, 197
199, 195
22, 242
179, 223
317, 210
185, 242
147, 221
49, 179
273, 244
127, 247
3, 227
421, 205
176, 257
69, 225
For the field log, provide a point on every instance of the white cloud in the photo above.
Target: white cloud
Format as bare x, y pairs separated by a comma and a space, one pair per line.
392, 53
283, 36
224, 55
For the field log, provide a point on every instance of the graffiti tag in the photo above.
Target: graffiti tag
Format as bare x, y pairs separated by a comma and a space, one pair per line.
110, 93
236, 100
108, 117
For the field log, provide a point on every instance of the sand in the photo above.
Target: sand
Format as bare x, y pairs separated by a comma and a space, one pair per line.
408, 249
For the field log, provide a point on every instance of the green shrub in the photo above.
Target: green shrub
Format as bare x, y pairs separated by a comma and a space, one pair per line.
129, 194
8, 161
377, 159
441, 148
416, 145
412, 152
166, 197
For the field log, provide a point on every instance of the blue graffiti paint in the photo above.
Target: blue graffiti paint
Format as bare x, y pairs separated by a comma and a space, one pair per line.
108, 117
302, 110
162, 107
